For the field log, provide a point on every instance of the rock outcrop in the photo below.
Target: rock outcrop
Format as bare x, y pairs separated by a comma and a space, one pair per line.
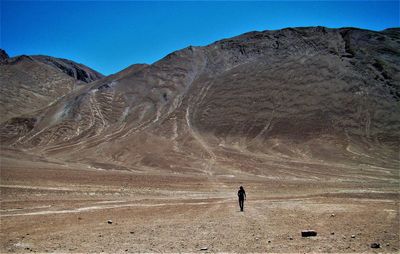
79, 72
3, 55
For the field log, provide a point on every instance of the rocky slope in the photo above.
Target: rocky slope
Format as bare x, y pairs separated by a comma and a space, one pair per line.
29, 83
252, 103
3, 55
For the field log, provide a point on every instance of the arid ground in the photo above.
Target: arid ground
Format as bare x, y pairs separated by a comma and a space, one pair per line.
47, 207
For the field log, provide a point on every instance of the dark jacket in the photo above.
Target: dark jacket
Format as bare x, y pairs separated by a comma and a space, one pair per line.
241, 194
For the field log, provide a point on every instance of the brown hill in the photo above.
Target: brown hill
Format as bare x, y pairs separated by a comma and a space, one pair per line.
258, 103
29, 83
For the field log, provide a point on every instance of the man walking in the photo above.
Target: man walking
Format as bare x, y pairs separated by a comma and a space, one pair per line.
242, 197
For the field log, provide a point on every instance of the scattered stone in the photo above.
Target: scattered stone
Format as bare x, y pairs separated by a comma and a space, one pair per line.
375, 245
257, 238
353, 236
307, 233
132, 232
126, 250
332, 215
387, 244
290, 238
269, 241
109, 221
332, 233
204, 248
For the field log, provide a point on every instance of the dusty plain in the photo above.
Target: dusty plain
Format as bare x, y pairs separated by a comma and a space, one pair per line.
51, 207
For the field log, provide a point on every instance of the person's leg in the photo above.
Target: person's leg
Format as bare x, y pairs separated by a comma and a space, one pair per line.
241, 204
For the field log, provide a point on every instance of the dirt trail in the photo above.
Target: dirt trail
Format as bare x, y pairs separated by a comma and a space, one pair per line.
104, 206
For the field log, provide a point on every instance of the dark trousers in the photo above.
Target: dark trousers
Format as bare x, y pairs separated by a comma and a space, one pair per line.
241, 204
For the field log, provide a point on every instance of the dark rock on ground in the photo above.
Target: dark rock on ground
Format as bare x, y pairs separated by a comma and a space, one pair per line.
375, 245
307, 233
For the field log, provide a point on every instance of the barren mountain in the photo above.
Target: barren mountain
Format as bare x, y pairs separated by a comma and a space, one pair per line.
303, 93
29, 83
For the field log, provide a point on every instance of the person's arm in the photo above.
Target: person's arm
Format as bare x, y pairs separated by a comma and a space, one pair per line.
244, 195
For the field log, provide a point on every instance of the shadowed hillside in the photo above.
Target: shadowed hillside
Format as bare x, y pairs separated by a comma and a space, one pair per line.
29, 83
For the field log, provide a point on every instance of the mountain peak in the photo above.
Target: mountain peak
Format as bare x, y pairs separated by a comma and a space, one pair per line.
30, 83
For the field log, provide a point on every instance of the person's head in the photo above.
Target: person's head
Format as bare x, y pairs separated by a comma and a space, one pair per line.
241, 187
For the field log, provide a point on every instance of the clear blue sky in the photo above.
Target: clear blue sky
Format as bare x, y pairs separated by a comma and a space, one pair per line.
109, 36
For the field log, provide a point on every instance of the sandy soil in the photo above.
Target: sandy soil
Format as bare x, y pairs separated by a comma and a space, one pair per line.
53, 208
